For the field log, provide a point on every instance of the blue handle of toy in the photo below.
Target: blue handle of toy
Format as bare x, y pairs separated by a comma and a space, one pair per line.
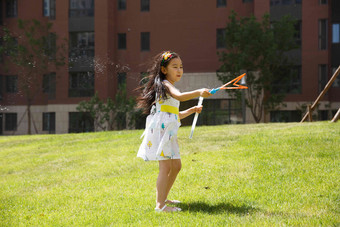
213, 91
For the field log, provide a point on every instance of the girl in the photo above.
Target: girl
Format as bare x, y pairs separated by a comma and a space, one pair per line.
161, 99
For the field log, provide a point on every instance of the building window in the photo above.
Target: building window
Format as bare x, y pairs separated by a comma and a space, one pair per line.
1, 87
285, 2
81, 8
220, 38
1, 47
274, 2
11, 8
52, 9
294, 84
81, 84
144, 5
81, 44
49, 122
121, 79
323, 24
1, 116
290, 84
336, 33
247, 0
221, 3
46, 8
323, 115
225, 111
11, 84
145, 41
323, 2
122, 41
285, 116
336, 82
51, 45
49, 8
49, 81
323, 77
1, 20
121, 4
10, 121
298, 31
80, 122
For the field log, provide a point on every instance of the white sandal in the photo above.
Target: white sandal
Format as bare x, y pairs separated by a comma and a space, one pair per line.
165, 206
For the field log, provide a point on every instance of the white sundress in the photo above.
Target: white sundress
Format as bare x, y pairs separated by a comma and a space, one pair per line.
160, 135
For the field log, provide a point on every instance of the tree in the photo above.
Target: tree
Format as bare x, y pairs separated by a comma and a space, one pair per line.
34, 52
111, 114
124, 108
260, 48
98, 110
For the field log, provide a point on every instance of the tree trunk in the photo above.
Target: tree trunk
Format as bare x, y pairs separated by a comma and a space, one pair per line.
257, 119
256, 113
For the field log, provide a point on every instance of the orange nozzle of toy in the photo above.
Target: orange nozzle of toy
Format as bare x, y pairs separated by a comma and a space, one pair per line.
237, 86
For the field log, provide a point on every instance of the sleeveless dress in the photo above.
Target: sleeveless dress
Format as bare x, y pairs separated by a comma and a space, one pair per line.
160, 135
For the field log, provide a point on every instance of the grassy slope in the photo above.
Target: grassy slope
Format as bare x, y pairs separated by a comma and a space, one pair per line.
261, 174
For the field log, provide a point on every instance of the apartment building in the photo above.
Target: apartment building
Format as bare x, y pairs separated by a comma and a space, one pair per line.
111, 41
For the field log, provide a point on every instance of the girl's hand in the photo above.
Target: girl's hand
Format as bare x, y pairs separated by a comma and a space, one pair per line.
197, 109
205, 93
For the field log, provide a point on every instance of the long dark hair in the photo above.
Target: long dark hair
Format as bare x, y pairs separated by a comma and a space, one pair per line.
154, 84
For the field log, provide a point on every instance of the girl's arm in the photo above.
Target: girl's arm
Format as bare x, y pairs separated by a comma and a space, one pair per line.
184, 96
188, 112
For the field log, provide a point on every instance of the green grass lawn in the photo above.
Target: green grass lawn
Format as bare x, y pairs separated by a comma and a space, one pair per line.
260, 175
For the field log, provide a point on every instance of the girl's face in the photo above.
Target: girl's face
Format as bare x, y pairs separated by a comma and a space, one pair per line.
174, 70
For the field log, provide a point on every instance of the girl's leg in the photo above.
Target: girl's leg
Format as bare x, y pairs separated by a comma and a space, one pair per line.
176, 166
164, 182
